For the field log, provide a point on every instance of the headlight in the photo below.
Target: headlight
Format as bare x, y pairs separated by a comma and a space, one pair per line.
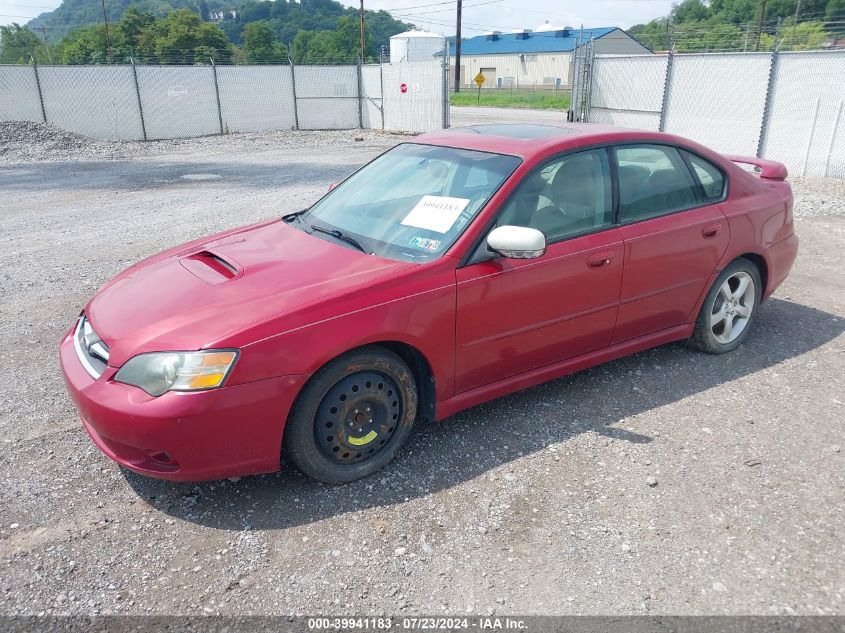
160, 372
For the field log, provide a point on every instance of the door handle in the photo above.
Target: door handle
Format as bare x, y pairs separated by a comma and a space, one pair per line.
600, 259
711, 230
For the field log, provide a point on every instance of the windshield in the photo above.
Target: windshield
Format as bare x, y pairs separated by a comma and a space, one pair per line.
410, 203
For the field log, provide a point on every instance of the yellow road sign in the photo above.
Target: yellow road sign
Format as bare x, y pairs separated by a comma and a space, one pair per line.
479, 79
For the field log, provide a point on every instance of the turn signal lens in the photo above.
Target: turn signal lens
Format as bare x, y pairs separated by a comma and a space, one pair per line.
206, 381
160, 372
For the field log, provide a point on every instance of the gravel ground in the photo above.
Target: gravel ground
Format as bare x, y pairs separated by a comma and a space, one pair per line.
669, 482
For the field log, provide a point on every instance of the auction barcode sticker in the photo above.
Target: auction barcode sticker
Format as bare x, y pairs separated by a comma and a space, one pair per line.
436, 213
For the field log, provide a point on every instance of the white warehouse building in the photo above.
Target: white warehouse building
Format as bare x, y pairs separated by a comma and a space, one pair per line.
540, 59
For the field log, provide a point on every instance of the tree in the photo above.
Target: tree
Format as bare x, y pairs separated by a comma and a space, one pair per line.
260, 45
348, 39
176, 31
339, 46
380, 28
689, 11
134, 34
84, 46
318, 47
805, 36
182, 37
701, 25
19, 43
656, 34
835, 13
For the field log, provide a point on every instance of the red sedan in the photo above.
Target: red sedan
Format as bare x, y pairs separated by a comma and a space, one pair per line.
451, 270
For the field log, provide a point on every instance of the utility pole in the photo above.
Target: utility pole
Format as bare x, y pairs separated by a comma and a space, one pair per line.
106, 23
47, 44
361, 16
457, 50
795, 20
760, 24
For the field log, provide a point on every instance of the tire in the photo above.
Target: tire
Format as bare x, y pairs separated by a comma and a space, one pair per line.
729, 309
353, 416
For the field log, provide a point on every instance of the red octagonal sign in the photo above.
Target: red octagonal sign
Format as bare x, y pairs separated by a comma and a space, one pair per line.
403, 87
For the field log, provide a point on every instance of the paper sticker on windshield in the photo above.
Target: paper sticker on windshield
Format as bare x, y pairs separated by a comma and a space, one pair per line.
425, 244
435, 213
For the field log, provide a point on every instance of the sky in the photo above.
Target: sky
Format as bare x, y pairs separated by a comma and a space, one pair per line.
439, 16
21, 11
479, 16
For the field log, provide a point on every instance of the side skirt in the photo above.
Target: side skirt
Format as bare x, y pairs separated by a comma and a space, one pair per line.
543, 374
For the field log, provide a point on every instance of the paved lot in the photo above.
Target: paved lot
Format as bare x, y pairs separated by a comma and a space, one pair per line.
475, 115
535, 503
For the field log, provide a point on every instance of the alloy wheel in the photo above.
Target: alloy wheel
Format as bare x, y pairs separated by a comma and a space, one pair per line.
732, 307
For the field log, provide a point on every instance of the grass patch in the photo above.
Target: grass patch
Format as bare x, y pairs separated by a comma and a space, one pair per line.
506, 98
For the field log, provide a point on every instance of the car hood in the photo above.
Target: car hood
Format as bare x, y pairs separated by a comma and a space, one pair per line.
189, 298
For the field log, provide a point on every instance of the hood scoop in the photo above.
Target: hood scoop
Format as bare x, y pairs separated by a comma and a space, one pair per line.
210, 267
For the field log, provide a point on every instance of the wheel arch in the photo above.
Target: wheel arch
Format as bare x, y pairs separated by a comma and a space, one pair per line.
762, 267
423, 375
755, 258
415, 359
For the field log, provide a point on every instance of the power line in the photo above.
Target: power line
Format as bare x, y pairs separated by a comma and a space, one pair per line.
469, 6
771, 23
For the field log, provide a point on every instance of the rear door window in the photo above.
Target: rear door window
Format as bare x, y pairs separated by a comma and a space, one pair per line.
653, 180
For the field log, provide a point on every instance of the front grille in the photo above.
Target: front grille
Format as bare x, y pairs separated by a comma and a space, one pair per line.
93, 353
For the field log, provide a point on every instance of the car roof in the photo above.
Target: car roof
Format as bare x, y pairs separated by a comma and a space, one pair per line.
526, 140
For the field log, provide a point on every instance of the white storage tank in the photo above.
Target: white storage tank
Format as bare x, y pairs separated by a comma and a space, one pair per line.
415, 46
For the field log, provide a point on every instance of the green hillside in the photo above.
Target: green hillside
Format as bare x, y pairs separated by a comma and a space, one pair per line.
716, 25
185, 31
72, 14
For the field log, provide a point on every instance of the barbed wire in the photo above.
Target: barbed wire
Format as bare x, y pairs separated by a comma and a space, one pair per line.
121, 60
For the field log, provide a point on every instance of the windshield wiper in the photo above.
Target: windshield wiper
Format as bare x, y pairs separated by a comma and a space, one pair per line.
340, 236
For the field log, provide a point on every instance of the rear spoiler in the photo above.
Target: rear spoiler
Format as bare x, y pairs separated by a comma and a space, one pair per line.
768, 169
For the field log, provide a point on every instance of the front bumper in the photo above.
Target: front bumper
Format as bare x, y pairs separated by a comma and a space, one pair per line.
195, 436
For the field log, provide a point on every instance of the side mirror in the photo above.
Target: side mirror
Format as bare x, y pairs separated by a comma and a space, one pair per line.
517, 242
332, 185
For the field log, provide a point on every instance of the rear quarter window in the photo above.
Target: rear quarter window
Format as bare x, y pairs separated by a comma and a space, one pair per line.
711, 177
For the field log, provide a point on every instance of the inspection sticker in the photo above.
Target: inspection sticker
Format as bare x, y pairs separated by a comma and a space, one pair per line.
425, 243
436, 213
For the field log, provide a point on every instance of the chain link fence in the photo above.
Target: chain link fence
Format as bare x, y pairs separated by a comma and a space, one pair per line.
718, 99
267, 105
19, 94
636, 103
372, 85
94, 100
417, 104
784, 106
144, 102
806, 121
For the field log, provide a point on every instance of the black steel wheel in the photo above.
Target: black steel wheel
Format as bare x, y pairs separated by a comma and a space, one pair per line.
353, 416
358, 417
